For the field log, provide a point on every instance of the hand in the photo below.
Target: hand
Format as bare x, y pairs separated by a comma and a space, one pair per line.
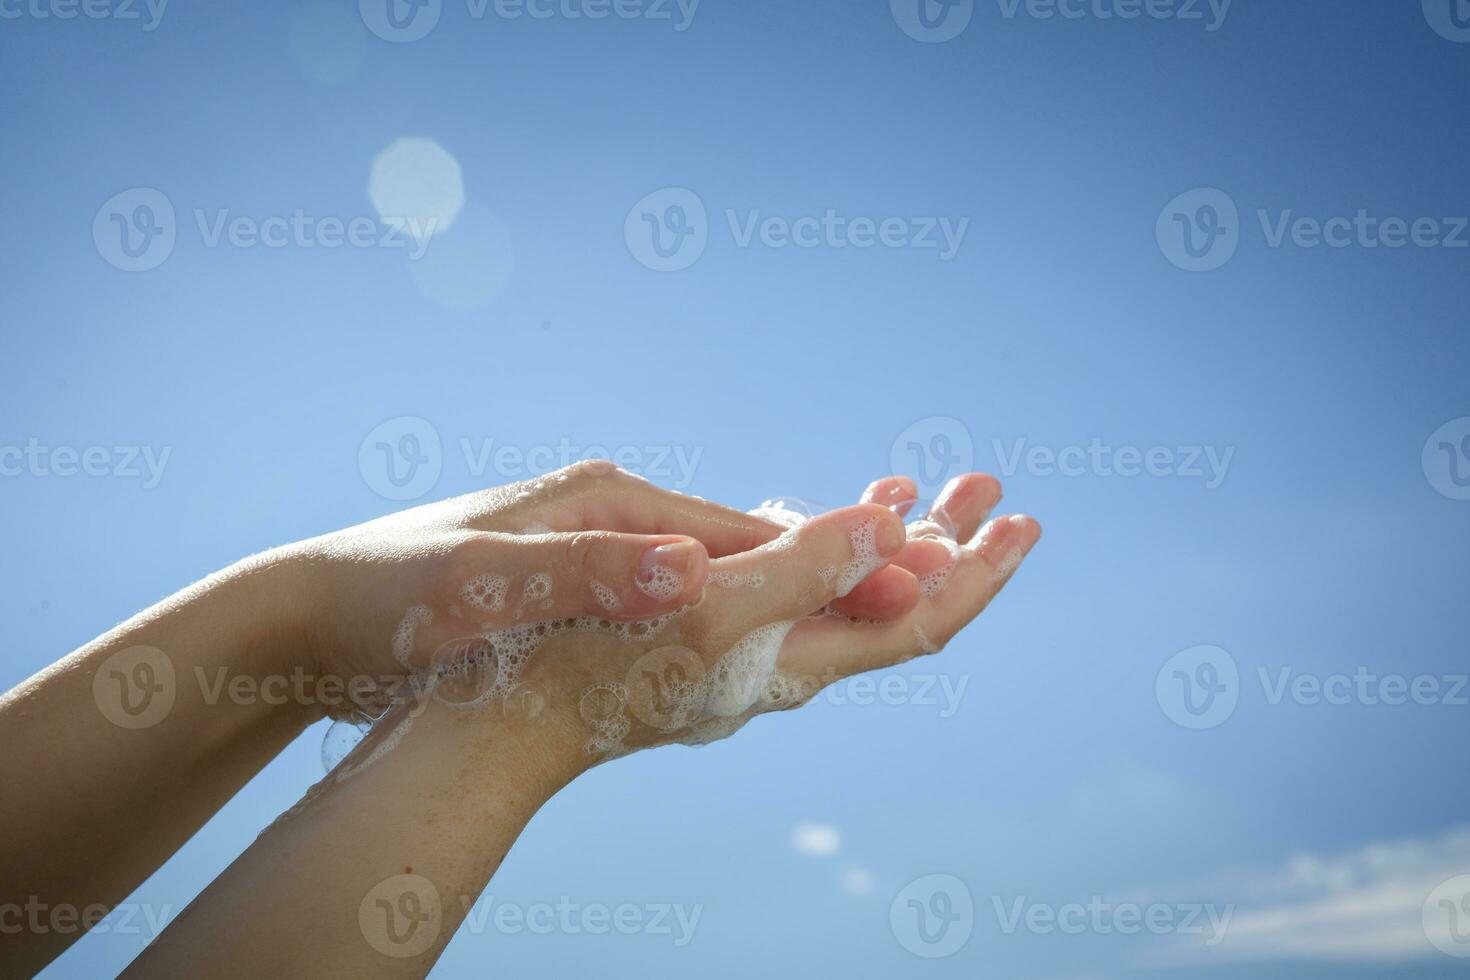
375, 601
618, 634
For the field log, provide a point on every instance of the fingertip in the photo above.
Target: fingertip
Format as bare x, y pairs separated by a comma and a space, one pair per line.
898, 493
1004, 541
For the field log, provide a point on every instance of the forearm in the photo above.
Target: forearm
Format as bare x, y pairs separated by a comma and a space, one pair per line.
128, 745
372, 874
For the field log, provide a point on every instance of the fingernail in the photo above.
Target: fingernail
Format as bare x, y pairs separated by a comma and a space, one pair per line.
895, 496
663, 569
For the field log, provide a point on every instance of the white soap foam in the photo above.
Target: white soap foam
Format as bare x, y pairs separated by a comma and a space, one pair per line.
737, 580
538, 586
403, 636
604, 707
606, 597
1009, 563
865, 558
485, 592
663, 583
739, 677
933, 583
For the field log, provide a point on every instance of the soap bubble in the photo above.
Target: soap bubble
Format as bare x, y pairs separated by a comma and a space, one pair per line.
788, 511
341, 738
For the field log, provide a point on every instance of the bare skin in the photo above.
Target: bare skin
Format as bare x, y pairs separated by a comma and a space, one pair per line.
392, 610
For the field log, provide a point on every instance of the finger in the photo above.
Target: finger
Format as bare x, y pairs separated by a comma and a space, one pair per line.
921, 568
831, 646
888, 593
606, 574
963, 505
895, 492
595, 494
812, 564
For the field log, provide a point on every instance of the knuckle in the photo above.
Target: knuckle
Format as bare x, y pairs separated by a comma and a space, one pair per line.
581, 550
590, 471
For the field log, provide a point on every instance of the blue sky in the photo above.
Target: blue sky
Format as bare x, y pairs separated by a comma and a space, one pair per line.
1303, 406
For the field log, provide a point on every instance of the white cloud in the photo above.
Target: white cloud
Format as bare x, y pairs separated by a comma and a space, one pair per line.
816, 839
1370, 904
858, 881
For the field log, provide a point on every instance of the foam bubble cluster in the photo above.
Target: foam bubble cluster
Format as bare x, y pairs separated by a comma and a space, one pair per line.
661, 583
485, 592
606, 597
492, 661
403, 636
603, 707
538, 586
933, 583
738, 678
737, 580
865, 558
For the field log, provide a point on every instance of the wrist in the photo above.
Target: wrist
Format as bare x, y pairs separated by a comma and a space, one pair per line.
266, 600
